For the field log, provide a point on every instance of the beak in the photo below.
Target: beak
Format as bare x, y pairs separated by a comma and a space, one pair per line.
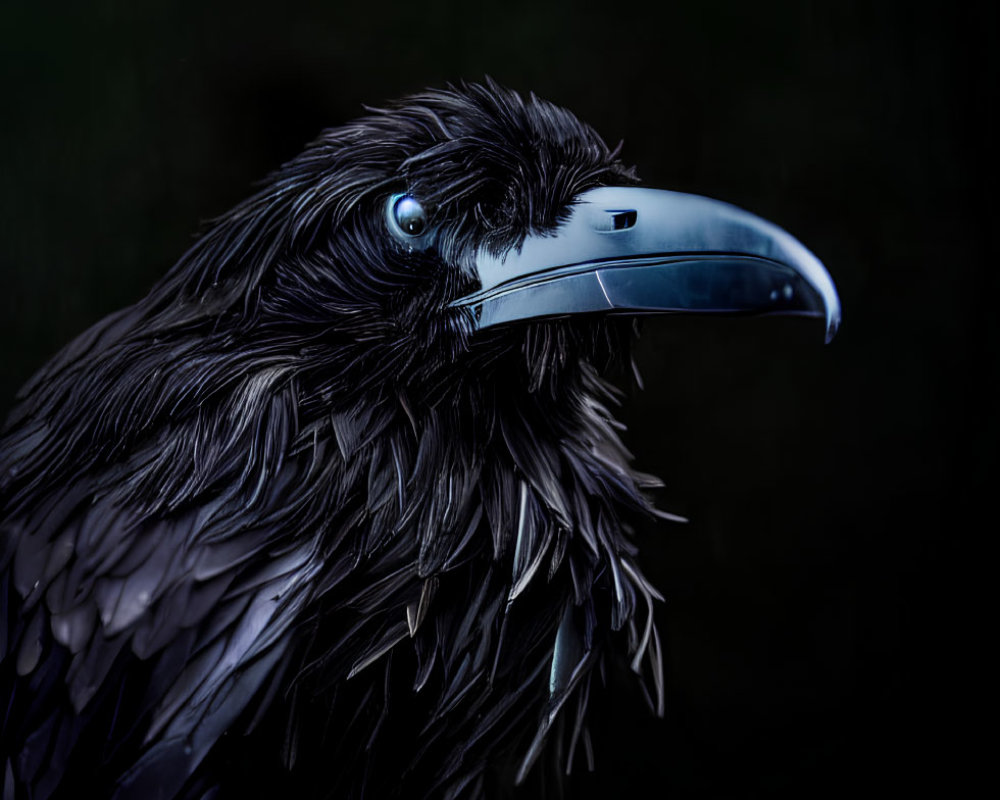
625, 250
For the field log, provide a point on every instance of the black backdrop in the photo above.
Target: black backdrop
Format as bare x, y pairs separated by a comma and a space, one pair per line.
816, 620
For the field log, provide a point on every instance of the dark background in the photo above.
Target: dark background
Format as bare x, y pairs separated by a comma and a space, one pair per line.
817, 618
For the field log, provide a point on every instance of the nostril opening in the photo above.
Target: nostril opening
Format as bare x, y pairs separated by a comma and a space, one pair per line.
609, 220
623, 219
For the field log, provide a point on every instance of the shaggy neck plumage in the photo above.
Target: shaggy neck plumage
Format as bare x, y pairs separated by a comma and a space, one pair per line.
525, 494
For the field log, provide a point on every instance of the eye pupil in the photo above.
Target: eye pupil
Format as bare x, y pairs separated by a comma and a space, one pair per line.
409, 215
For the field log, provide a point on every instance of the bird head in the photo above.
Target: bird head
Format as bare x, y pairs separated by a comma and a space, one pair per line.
422, 235
466, 241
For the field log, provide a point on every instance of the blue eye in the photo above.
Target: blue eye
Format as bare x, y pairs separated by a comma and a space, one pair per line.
408, 215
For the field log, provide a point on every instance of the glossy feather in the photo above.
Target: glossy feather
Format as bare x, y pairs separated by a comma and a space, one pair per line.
287, 519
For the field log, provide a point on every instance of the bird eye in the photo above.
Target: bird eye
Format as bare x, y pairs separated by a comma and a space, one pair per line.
408, 215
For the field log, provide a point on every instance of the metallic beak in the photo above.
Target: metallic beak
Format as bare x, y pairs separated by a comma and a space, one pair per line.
625, 250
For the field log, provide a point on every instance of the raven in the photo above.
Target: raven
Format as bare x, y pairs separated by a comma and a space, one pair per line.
340, 505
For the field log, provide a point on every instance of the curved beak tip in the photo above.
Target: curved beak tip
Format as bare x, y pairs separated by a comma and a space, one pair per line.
830, 303
832, 324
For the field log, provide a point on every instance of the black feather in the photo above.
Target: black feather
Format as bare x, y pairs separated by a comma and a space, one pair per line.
286, 519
